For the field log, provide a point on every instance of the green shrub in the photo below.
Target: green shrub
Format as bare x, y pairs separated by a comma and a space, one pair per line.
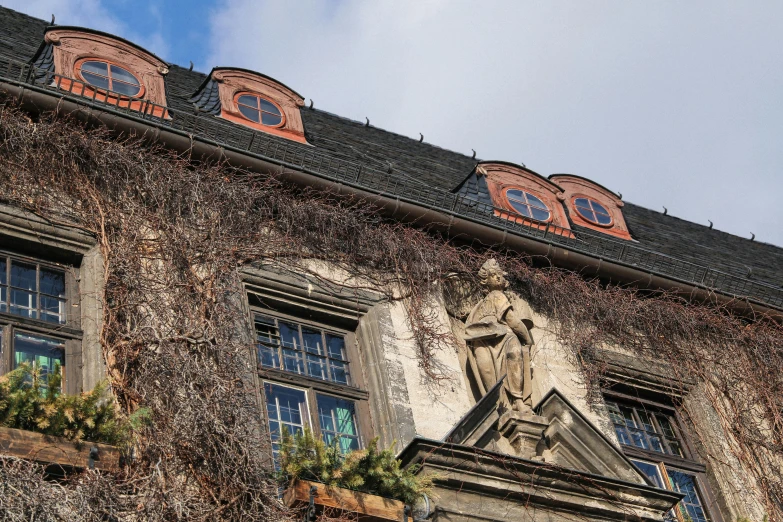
305, 456
29, 401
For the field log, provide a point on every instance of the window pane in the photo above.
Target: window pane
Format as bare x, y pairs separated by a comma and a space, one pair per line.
23, 276
23, 303
97, 81
336, 346
337, 418
582, 203
691, 504
52, 282
675, 447
541, 215
118, 73
286, 408
534, 201
652, 472
603, 219
622, 435
639, 440
250, 114
268, 340
522, 209
41, 353
250, 101
316, 367
52, 309
126, 89
270, 119
3, 270
269, 107
313, 342
95, 67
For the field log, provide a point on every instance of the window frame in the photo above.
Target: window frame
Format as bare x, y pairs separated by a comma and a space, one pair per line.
69, 333
591, 201
259, 97
77, 68
526, 190
688, 464
355, 392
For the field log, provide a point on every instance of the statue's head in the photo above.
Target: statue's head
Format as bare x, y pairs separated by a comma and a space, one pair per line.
492, 276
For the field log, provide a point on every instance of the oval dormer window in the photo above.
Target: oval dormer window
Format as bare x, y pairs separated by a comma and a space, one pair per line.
260, 110
110, 76
528, 205
593, 211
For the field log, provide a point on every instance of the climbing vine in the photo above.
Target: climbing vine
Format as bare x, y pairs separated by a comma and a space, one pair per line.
174, 235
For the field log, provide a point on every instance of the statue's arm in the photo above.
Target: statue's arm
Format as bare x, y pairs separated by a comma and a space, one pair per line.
516, 324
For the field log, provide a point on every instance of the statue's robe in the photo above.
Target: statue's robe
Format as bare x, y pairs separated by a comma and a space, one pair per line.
486, 326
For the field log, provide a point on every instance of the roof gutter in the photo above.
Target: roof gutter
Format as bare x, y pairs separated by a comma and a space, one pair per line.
40, 100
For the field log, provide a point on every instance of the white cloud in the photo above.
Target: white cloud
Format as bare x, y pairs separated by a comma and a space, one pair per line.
670, 103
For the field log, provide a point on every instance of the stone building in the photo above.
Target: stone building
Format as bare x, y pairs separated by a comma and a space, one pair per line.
513, 436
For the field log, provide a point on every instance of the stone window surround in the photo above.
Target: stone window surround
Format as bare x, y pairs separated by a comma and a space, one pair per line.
383, 409
27, 237
71, 46
233, 82
689, 464
578, 187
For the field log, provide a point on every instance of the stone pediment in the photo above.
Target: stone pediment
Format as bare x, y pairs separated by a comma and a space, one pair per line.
557, 434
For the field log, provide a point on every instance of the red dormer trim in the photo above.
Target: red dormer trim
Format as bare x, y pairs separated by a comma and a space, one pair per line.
235, 82
502, 177
576, 187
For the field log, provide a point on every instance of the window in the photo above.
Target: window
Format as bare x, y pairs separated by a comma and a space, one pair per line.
109, 76
34, 325
653, 441
308, 381
259, 110
528, 205
593, 211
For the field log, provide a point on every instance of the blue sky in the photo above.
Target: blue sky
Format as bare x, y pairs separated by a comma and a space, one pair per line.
671, 103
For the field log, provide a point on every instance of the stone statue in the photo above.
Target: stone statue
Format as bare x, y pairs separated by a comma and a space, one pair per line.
499, 339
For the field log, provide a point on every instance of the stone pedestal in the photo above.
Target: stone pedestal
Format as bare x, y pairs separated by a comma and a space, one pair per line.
523, 431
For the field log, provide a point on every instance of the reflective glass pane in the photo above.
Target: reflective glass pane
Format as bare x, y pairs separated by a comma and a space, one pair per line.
250, 101
23, 303
675, 447
339, 371
3, 299
516, 195
23, 276
665, 425
598, 208
95, 67
691, 504
639, 440
289, 335
622, 435
541, 215
651, 470
587, 214
52, 309
313, 342
316, 367
41, 353
270, 119
293, 361
97, 81
615, 414
521, 208
603, 219
250, 114
126, 89
52, 282
286, 409
269, 107
3, 272
628, 415
535, 201
582, 203
118, 73
336, 346
655, 443
646, 421
337, 418
268, 340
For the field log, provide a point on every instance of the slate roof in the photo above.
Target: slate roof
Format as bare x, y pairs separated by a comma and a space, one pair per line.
424, 165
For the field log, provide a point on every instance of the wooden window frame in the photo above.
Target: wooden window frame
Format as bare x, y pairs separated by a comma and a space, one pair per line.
110, 92
355, 392
507, 201
591, 201
688, 464
69, 334
259, 97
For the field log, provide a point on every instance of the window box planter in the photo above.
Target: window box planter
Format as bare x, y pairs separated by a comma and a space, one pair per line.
57, 450
370, 508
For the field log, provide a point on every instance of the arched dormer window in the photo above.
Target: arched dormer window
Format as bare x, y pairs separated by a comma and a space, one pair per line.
521, 195
253, 100
592, 206
104, 68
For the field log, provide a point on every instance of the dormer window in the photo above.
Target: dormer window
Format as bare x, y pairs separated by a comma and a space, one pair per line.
528, 205
593, 211
259, 110
253, 100
103, 68
109, 76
